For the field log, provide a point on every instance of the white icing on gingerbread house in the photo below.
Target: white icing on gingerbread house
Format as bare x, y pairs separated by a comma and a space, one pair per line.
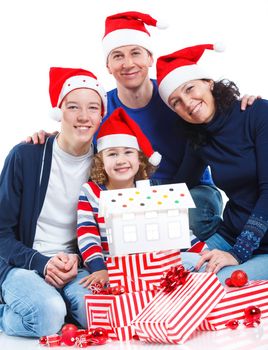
147, 218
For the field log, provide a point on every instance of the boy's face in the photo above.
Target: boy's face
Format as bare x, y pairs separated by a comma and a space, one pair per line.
129, 65
121, 164
81, 117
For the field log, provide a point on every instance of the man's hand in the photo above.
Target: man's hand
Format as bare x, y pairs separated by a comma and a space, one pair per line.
100, 276
247, 100
61, 269
39, 137
216, 260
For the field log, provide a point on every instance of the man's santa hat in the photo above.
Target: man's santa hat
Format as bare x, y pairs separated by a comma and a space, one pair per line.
181, 66
128, 28
119, 130
64, 80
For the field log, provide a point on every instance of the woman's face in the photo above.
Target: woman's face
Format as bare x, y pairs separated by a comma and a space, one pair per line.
193, 101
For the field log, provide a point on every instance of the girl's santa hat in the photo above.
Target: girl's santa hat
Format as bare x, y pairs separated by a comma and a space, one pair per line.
65, 80
181, 66
128, 28
119, 130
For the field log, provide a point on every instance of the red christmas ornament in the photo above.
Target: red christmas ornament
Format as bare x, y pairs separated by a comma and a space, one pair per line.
53, 340
136, 337
43, 340
232, 324
228, 282
99, 332
239, 278
98, 340
68, 333
252, 316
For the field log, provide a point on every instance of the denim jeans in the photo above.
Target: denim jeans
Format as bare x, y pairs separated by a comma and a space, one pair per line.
33, 308
255, 268
205, 218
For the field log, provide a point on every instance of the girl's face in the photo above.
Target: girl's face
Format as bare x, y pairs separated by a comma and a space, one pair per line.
81, 119
121, 165
193, 101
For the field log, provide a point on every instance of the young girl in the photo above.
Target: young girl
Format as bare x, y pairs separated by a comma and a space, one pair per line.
124, 156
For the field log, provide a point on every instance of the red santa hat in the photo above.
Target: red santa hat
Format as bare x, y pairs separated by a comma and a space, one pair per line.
128, 28
181, 66
119, 130
65, 80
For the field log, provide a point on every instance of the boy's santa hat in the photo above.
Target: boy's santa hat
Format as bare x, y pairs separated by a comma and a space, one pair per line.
119, 130
128, 28
64, 80
181, 66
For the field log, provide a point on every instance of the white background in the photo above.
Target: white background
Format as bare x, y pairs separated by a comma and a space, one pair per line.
37, 34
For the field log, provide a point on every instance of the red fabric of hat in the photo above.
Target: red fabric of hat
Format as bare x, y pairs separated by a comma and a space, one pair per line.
119, 130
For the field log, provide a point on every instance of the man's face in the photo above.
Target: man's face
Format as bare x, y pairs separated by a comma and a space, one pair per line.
129, 65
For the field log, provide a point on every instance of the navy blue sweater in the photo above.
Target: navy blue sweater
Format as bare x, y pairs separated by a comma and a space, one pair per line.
237, 152
23, 185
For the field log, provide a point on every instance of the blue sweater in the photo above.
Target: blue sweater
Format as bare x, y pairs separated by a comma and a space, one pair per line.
237, 152
23, 185
164, 130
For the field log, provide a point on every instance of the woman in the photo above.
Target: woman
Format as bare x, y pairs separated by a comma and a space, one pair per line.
234, 144
39, 188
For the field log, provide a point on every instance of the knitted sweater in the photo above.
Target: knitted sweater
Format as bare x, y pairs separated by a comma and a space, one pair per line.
236, 150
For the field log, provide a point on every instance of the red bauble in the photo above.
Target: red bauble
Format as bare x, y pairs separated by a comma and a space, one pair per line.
99, 332
228, 282
43, 340
252, 316
239, 278
98, 340
232, 324
68, 332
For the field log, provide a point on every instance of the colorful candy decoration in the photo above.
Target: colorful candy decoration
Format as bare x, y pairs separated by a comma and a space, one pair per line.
238, 279
97, 288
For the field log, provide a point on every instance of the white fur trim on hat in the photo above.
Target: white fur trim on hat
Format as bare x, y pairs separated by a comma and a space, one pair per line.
83, 81
155, 158
56, 114
219, 47
180, 76
124, 37
117, 140
161, 25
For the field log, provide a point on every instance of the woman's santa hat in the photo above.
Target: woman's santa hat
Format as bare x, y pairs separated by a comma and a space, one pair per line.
128, 28
119, 130
181, 66
65, 80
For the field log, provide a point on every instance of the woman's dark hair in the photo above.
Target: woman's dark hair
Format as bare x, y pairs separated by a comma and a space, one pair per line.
225, 93
99, 175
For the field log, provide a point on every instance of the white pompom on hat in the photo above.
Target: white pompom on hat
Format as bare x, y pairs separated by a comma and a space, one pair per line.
181, 66
119, 130
64, 80
128, 28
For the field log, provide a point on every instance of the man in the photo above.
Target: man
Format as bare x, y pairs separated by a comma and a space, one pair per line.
39, 189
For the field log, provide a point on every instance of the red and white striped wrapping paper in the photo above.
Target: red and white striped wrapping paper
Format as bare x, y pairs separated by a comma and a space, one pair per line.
173, 317
138, 272
233, 304
115, 312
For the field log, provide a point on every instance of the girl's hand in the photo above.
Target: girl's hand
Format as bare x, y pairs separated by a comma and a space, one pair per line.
216, 260
100, 276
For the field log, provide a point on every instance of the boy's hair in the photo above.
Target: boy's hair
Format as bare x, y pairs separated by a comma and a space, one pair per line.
99, 175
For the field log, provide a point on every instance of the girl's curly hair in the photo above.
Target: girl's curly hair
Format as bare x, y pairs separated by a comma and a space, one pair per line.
99, 175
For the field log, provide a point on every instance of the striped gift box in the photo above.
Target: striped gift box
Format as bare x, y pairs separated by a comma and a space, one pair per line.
233, 304
138, 272
115, 312
173, 317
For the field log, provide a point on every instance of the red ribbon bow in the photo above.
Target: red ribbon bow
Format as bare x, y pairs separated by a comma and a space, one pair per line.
175, 276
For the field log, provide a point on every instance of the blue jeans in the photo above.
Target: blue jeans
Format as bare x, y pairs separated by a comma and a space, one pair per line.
205, 218
33, 308
255, 268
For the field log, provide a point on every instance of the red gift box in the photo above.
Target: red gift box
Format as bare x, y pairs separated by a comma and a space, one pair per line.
233, 304
116, 312
138, 272
173, 317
